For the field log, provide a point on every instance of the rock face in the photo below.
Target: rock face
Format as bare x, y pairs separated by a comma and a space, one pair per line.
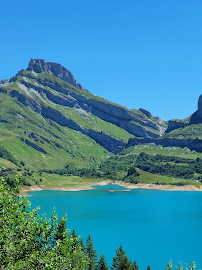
174, 124
39, 65
136, 124
200, 103
147, 113
111, 144
196, 118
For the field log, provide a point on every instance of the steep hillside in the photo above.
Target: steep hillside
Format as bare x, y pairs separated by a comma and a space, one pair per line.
48, 120
180, 133
186, 132
189, 127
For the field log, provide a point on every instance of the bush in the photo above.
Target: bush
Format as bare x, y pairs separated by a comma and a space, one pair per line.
27, 239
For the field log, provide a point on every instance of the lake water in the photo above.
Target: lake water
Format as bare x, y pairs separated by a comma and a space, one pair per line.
153, 226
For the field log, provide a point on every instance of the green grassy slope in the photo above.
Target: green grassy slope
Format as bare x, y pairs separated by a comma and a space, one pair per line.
159, 165
43, 144
160, 150
79, 150
188, 132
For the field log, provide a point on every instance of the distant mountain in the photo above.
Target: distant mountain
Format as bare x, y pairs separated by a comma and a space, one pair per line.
189, 128
181, 133
49, 120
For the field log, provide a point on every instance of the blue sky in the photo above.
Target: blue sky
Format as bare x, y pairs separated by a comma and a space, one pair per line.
136, 53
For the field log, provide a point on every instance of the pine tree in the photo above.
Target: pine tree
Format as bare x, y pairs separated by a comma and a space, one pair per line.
121, 261
102, 264
135, 266
169, 266
91, 253
75, 241
148, 267
61, 232
81, 243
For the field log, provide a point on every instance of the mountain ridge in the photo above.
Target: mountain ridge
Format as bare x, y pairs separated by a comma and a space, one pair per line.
46, 96
50, 126
39, 66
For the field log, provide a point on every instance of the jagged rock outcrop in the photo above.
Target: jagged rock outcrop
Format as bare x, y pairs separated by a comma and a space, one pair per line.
174, 124
109, 143
147, 113
33, 145
59, 118
58, 99
27, 101
39, 65
196, 118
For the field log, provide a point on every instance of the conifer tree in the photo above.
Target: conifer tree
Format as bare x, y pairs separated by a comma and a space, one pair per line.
102, 264
81, 243
91, 253
29, 241
169, 266
75, 241
61, 232
135, 266
121, 261
148, 267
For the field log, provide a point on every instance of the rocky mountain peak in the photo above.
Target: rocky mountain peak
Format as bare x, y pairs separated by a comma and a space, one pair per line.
196, 118
39, 65
200, 103
147, 113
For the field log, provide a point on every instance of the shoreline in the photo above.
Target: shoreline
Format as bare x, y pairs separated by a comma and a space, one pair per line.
110, 182
152, 186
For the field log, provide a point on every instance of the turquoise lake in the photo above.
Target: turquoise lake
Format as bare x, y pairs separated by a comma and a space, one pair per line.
153, 226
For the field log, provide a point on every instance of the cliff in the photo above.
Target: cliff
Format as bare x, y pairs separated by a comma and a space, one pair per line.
196, 118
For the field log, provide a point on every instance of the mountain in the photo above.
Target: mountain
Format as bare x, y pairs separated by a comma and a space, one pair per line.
181, 133
49, 120
189, 128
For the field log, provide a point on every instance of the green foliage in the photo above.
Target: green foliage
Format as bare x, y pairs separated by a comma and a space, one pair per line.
121, 261
192, 266
132, 176
75, 243
81, 243
132, 168
91, 253
61, 232
116, 167
135, 266
22, 163
102, 264
30, 241
27, 240
7, 155
168, 165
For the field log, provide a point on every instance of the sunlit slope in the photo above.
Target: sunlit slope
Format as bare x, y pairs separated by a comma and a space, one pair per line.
49, 120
